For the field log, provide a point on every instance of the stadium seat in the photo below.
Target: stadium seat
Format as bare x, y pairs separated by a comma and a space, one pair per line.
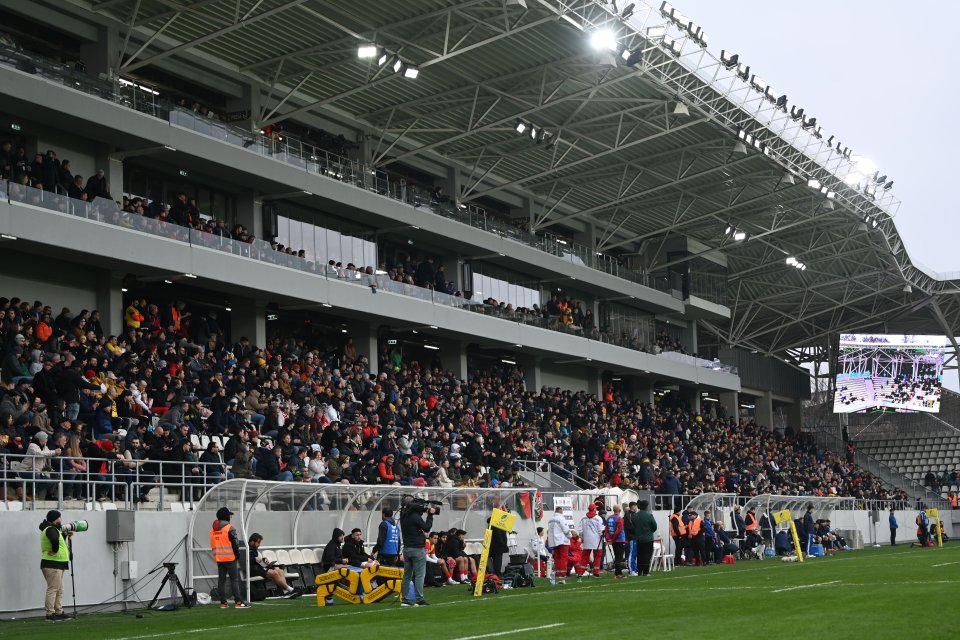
283, 558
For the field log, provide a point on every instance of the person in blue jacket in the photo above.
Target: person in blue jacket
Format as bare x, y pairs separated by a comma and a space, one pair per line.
893, 528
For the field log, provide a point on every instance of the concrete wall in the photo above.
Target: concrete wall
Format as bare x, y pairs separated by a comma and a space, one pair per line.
575, 376
160, 537
51, 281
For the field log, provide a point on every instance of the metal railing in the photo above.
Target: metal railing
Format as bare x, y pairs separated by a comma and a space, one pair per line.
29, 479
106, 211
544, 474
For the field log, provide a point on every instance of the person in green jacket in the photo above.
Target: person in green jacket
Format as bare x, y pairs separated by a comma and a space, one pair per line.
54, 562
644, 526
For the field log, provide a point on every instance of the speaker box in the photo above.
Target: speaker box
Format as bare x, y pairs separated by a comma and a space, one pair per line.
120, 526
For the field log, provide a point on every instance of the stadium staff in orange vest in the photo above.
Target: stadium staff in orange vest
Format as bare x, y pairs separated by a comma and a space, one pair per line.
226, 552
695, 538
678, 531
753, 528
954, 503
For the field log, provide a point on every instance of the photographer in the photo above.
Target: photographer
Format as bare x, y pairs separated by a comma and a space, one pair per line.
413, 529
55, 560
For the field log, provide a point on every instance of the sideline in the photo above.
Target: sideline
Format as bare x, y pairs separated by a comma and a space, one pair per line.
497, 634
806, 586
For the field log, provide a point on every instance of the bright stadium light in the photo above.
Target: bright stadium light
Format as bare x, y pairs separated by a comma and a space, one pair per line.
367, 51
603, 40
411, 72
398, 66
791, 260
520, 127
813, 183
729, 60
681, 109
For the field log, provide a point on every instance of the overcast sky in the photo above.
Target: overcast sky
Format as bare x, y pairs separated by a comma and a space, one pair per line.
877, 75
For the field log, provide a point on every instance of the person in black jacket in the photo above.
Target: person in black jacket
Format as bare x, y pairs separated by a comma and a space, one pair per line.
332, 557
499, 545
354, 552
413, 531
69, 384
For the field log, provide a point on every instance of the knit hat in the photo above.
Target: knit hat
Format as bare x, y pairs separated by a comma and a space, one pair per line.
42, 436
52, 515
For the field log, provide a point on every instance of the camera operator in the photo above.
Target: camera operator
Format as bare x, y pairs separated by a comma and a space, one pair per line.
413, 529
55, 560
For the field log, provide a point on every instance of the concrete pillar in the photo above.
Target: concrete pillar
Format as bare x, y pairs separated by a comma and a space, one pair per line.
248, 318
587, 237
533, 379
250, 213
453, 267
525, 211
688, 338
102, 56
794, 413
594, 381
110, 301
642, 389
453, 356
730, 401
691, 396
452, 184
248, 105
764, 410
367, 344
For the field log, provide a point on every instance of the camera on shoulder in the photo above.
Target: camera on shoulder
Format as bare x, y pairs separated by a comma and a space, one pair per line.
421, 506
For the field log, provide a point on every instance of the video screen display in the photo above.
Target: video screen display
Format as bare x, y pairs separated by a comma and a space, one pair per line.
889, 373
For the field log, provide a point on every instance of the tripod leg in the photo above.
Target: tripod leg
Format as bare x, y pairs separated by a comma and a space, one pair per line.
163, 583
183, 593
73, 584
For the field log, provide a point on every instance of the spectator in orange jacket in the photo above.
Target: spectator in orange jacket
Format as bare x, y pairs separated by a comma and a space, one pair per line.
385, 470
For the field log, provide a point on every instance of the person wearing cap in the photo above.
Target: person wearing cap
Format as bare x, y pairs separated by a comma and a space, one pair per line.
54, 562
591, 529
225, 547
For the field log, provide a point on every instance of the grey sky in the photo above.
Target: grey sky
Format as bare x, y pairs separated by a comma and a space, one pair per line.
878, 76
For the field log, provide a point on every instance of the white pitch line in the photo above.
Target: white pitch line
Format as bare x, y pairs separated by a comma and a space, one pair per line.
512, 631
944, 564
805, 586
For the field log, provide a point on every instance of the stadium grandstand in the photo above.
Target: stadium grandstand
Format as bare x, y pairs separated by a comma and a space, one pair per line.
266, 250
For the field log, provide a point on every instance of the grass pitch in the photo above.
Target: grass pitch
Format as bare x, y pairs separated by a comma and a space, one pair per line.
873, 593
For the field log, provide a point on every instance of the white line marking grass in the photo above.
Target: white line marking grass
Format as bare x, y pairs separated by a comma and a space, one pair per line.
497, 634
805, 586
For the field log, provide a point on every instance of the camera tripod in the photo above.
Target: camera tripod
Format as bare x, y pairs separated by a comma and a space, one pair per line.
171, 577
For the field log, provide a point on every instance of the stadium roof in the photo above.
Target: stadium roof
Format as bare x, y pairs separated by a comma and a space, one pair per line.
618, 151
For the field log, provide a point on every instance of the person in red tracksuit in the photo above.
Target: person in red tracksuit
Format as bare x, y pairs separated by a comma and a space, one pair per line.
575, 554
558, 539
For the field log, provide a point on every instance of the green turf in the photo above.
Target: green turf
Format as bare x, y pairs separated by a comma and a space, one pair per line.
875, 593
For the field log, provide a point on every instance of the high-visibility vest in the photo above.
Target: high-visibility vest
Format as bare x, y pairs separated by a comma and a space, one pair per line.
63, 552
391, 545
680, 528
751, 522
953, 501
693, 526
220, 544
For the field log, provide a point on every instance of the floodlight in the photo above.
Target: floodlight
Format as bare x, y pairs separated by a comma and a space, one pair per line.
533, 132
367, 51
680, 20
516, 3
383, 59
627, 11
739, 236
521, 126
907, 288
791, 260
788, 178
666, 9
813, 183
411, 72
808, 123
870, 190
398, 66
828, 204
682, 110
603, 40
743, 71
630, 58
656, 32
757, 83
882, 179
728, 230
782, 103
888, 186
795, 113
729, 60
740, 148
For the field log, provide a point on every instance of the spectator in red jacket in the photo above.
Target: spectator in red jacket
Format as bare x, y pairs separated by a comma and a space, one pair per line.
385, 470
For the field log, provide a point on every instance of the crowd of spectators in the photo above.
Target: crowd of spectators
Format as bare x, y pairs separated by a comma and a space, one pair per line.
292, 410
47, 172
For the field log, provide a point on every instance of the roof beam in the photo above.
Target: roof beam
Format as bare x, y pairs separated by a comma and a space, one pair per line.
212, 35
